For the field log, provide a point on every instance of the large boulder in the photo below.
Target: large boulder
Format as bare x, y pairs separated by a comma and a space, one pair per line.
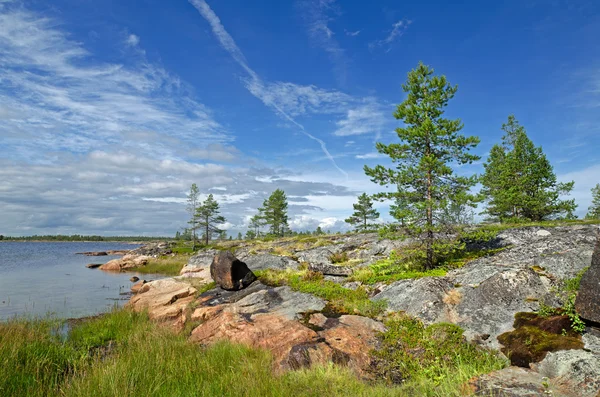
588, 299
230, 273
126, 262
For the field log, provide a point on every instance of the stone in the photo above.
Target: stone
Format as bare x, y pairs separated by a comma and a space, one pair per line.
135, 288
264, 330
165, 300
576, 370
230, 273
126, 262
515, 382
269, 261
134, 279
281, 301
587, 303
330, 270
317, 320
93, 265
543, 233
591, 340
354, 337
93, 253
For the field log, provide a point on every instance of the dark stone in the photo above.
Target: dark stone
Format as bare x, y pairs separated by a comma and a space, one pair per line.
134, 279
93, 265
96, 253
230, 273
588, 299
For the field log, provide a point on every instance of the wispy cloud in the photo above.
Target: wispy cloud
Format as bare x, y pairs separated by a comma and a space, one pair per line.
255, 84
318, 15
55, 96
398, 30
352, 34
365, 119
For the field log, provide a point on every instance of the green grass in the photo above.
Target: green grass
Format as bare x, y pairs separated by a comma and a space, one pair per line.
167, 265
430, 360
341, 300
124, 354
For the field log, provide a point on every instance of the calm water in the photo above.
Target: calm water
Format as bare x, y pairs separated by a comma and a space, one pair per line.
38, 279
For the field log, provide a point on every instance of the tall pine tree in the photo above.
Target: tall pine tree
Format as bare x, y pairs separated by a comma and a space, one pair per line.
363, 213
594, 210
208, 217
519, 181
192, 207
429, 145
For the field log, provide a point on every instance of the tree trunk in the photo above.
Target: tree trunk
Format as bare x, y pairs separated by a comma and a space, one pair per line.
429, 263
206, 237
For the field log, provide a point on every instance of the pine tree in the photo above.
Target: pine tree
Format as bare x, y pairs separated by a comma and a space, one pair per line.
256, 222
239, 236
363, 213
274, 213
192, 207
430, 144
594, 210
519, 181
208, 217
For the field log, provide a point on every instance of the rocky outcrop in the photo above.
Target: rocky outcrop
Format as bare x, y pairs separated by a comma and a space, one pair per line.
588, 299
165, 300
230, 273
154, 249
330, 270
272, 318
126, 262
483, 296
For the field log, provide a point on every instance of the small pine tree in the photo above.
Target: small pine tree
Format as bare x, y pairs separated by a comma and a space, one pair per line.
256, 223
274, 213
519, 181
208, 217
594, 210
363, 213
239, 236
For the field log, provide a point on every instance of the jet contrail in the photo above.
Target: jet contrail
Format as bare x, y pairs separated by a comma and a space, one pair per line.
230, 46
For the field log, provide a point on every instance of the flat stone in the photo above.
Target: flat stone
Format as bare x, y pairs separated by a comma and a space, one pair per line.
576, 370
543, 233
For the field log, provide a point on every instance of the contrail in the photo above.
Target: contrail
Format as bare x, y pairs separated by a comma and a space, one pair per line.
230, 46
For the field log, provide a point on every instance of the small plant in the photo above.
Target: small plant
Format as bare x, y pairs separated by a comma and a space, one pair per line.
339, 257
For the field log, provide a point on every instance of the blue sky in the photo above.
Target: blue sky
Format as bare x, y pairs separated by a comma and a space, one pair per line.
109, 110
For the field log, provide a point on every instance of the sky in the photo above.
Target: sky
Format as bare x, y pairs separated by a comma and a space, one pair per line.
110, 110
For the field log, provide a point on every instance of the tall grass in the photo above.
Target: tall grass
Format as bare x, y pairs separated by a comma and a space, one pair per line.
167, 265
124, 354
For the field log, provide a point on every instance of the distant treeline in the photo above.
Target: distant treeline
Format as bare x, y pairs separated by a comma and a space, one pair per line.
79, 237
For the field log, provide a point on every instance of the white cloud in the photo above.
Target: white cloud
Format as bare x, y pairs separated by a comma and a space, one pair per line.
365, 119
398, 30
352, 34
132, 40
371, 155
585, 179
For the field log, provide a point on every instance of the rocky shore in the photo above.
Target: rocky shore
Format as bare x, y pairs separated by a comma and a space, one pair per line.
482, 297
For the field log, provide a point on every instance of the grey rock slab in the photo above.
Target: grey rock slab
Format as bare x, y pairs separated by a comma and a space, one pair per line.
576, 370
422, 298
591, 340
269, 261
282, 301
515, 382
